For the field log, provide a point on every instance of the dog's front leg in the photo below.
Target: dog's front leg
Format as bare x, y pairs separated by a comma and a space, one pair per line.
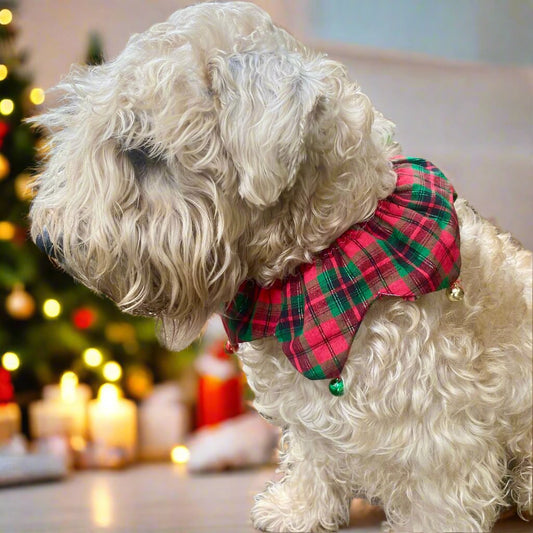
311, 497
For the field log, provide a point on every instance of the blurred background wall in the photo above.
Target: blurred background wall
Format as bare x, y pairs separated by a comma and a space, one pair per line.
455, 75
495, 31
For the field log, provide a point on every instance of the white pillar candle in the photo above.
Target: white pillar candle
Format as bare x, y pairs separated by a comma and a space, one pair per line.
48, 419
63, 411
113, 420
164, 422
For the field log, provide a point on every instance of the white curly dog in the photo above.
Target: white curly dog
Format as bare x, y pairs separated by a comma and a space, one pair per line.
217, 149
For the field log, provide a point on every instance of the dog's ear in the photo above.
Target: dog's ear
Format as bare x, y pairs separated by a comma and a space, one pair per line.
265, 101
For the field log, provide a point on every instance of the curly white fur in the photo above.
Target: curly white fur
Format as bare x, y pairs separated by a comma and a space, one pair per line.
436, 423
215, 148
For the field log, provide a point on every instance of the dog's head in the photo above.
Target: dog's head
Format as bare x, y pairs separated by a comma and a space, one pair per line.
213, 148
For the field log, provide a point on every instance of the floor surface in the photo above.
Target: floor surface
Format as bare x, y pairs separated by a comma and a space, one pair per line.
157, 498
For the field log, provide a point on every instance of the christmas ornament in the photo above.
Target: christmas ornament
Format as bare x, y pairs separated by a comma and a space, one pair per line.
4, 167
19, 304
84, 317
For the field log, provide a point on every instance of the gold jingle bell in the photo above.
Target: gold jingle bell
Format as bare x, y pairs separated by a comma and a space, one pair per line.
455, 292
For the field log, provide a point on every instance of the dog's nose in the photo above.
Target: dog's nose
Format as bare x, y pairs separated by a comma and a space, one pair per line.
45, 244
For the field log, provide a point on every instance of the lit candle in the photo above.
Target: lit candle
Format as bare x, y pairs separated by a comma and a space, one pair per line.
68, 390
113, 420
63, 409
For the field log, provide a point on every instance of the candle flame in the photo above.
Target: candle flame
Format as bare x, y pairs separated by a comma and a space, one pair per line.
68, 386
109, 394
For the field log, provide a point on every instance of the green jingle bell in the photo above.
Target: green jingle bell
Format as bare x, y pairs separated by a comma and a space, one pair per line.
336, 387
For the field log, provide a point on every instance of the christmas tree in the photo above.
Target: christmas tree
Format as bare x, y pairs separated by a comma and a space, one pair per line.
49, 324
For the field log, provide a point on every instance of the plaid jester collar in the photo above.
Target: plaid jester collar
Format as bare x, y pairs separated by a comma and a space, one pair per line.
409, 247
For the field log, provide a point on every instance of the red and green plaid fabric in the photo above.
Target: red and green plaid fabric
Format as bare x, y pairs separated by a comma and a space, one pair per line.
408, 248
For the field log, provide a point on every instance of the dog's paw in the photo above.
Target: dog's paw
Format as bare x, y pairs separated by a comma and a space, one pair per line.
275, 512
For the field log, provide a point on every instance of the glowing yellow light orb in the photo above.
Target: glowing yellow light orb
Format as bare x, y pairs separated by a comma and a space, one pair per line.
180, 454
37, 96
10, 361
7, 230
6, 106
3, 72
112, 371
51, 308
5, 17
93, 357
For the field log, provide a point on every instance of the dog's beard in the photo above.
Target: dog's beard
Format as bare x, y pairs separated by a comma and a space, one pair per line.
177, 334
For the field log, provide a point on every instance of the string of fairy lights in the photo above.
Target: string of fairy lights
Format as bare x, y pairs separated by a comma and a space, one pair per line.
36, 95
19, 301
92, 357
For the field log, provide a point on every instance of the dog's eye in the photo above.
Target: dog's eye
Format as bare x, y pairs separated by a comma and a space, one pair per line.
142, 160
139, 158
